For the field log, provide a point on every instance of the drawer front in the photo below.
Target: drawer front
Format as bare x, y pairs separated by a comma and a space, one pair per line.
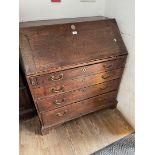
70, 85
76, 72
60, 100
77, 109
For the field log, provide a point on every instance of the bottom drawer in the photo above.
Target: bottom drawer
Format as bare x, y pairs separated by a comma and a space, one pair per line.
68, 112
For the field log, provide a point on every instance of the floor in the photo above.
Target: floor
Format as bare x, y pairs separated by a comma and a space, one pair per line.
82, 136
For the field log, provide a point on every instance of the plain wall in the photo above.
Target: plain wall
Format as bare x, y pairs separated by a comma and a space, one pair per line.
31, 10
123, 12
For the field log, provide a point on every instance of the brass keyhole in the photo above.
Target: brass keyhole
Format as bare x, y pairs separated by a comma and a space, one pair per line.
83, 80
83, 69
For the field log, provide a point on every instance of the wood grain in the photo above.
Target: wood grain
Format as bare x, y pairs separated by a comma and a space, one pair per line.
57, 101
81, 136
59, 59
60, 87
60, 115
47, 42
47, 79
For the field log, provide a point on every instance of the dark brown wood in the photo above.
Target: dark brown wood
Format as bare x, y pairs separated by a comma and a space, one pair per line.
26, 105
60, 87
41, 45
71, 68
60, 100
61, 76
65, 113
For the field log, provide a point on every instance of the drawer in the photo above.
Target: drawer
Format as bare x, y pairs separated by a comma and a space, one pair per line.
77, 109
76, 72
77, 95
70, 85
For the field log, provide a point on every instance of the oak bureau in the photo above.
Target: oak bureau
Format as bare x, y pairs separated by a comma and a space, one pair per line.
72, 69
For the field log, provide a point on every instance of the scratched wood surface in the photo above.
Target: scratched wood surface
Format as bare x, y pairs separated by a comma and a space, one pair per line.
54, 46
81, 136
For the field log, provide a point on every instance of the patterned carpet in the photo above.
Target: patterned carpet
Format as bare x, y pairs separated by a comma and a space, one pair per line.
125, 146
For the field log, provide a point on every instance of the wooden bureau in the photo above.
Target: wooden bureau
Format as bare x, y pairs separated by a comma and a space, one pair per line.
72, 69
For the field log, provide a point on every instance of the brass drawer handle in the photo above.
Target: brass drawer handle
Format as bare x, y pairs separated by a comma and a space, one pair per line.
107, 66
102, 99
33, 81
55, 90
83, 89
56, 78
60, 114
105, 77
104, 88
59, 102
115, 40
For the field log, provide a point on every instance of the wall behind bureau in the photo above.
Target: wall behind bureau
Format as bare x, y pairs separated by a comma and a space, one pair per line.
31, 10
123, 12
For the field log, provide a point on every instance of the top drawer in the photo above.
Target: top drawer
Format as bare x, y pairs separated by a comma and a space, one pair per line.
76, 72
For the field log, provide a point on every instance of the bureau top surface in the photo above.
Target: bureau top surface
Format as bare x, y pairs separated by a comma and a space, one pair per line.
54, 47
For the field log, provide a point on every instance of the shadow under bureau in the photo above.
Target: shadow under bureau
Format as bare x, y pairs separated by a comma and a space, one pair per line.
72, 69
